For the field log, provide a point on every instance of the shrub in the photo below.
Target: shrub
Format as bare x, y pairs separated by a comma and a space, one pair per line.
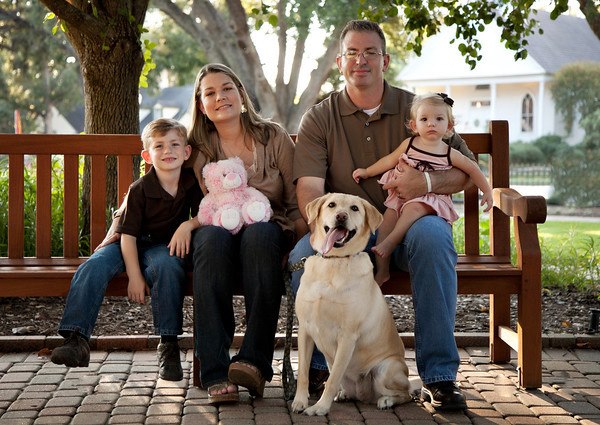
576, 177
525, 153
550, 145
57, 196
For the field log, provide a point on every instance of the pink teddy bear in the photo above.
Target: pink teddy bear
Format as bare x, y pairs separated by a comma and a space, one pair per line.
230, 202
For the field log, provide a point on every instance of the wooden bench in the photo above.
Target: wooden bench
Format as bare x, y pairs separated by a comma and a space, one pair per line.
43, 275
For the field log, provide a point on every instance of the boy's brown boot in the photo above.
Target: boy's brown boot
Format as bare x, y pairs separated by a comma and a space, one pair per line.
75, 352
169, 362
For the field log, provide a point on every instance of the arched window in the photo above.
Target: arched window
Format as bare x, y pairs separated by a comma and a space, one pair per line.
527, 114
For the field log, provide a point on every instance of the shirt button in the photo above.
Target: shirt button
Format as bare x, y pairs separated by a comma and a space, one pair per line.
368, 138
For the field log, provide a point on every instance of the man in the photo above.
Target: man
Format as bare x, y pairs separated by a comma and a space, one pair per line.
352, 129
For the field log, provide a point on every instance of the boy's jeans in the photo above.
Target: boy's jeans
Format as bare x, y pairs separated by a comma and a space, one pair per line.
164, 274
427, 253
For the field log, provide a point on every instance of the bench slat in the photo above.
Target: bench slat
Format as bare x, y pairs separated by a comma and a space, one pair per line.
43, 206
98, 200
16, 211
71, 206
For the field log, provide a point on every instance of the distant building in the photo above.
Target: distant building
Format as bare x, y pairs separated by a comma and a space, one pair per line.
170, 102
500, 87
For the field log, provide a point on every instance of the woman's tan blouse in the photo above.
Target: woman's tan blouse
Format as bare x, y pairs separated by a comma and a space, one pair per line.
271, 173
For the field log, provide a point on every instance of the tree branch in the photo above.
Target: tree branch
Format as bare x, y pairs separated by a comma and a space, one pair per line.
75, 18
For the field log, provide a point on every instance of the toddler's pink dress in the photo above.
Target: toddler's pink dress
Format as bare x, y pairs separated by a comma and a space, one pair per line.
423, 161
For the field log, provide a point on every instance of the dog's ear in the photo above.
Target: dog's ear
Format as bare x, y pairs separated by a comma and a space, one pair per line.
373, 216
313, 207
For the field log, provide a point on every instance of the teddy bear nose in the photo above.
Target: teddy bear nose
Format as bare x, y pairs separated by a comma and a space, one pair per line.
232, 180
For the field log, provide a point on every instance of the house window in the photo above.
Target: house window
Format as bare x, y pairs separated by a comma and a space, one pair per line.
527, 114
480, 103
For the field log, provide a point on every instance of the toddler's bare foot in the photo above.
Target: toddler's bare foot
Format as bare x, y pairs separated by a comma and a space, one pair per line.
382, 276
383, 249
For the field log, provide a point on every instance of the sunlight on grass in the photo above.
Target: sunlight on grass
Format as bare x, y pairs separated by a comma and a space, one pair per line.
560, 229
570, 254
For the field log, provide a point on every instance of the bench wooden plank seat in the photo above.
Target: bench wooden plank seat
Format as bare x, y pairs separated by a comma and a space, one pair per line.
478, 273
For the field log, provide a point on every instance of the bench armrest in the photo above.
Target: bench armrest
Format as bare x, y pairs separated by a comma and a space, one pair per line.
530, 209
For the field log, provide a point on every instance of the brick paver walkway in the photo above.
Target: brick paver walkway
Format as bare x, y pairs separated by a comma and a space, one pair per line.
121, 387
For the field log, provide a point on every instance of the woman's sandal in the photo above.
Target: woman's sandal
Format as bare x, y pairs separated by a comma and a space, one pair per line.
216, 396
247, 375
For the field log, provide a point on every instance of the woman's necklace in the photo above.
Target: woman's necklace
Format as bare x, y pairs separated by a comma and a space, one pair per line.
245, 153
229, 152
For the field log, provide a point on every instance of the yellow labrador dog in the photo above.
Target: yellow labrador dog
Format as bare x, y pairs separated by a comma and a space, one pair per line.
341, 308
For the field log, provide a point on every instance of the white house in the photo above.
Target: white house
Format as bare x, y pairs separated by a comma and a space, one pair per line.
500, 87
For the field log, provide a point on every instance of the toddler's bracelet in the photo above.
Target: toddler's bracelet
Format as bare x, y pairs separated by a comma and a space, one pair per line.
428, 180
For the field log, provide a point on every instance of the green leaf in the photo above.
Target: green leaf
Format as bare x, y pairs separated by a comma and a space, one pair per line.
49, 16
273, 20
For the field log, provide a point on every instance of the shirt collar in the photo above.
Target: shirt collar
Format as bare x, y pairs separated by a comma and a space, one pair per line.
155, 190
390, 104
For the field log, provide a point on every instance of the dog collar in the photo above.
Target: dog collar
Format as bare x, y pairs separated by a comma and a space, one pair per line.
318, 254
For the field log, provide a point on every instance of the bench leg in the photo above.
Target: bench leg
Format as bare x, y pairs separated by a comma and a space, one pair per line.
529, 322
529, 329
499, 316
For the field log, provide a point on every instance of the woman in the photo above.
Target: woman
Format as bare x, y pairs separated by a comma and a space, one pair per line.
224, 125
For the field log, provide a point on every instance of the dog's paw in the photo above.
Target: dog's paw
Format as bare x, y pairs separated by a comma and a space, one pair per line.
389, 401
342, 396
318, 409
298, 405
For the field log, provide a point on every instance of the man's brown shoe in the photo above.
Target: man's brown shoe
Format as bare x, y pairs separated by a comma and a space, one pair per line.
316, 380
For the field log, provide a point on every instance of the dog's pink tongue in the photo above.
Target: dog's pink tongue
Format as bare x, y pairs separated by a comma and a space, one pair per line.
334, 235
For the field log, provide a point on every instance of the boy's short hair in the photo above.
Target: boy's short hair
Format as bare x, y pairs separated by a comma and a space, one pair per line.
160, 127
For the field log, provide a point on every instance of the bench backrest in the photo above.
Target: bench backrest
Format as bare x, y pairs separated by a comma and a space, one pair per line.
125, 147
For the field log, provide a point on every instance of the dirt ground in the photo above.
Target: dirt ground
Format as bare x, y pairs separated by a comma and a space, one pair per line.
563, 312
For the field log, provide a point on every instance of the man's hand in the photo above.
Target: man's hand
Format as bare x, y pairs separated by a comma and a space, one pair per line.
409, 183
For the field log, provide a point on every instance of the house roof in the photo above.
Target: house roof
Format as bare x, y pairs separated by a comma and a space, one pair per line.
565, 40
171, 97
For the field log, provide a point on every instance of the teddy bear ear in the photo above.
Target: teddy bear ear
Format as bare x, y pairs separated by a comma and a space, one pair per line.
237, 160
208, 168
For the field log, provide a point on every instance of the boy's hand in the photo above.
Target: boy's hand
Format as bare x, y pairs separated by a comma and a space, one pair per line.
360, 173
137, 290
181, 240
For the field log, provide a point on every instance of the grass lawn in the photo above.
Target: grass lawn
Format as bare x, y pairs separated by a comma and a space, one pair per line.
555, 232
570, 254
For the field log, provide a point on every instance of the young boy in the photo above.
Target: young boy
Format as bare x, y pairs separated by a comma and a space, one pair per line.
156, 227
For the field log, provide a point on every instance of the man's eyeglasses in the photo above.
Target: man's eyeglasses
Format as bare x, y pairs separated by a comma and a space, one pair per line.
369, 54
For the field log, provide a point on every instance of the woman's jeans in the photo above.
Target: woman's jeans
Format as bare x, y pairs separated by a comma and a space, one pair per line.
164, 274
427, 253
222, 261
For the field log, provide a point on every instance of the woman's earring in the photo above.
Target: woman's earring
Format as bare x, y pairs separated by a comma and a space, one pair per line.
243, 109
